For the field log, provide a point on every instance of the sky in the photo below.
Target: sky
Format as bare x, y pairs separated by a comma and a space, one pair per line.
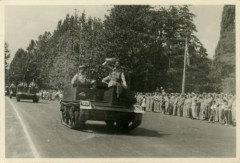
24, 23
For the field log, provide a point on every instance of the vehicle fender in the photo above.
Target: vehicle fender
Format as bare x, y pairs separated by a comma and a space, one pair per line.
137, 108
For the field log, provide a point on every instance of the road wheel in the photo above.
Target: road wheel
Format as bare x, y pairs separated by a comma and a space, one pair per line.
35, 100
63, 116
137, 120
123, 125
81, 119
73, 115
110, 124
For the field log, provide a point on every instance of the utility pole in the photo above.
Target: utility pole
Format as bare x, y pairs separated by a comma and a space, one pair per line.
184, 68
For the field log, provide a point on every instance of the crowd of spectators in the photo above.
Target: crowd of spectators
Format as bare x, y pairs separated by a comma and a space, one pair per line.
51, 95
211, 107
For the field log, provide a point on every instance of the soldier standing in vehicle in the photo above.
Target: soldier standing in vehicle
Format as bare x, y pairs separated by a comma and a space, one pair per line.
82, 82
116, 77
22, 85
32, 85
81, 78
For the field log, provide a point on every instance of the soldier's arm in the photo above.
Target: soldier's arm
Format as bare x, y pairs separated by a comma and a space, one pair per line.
74, 80
106, 79
106, 64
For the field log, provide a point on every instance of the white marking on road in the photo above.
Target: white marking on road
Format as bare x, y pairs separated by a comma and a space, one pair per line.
29, 139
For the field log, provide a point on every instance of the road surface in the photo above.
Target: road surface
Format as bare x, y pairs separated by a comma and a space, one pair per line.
34, 130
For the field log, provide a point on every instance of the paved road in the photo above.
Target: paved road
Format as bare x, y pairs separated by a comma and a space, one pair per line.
34, 130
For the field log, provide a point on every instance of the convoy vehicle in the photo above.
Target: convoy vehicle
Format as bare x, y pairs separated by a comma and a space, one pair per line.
27, 94
99, 103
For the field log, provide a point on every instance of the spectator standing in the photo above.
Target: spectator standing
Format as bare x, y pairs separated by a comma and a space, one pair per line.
234, 111
202, 108
147, 102
225, 112
198, 105
212, 112
193, 107
143, 104
180, 105
166, 101
175, 105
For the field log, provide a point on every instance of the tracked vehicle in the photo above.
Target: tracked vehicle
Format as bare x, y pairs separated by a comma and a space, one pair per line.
27, 94
99, 103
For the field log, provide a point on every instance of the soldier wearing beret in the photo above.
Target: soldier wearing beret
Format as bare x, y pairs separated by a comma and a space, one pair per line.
81, 78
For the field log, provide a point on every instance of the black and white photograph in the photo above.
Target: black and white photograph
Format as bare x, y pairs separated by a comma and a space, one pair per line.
120, 81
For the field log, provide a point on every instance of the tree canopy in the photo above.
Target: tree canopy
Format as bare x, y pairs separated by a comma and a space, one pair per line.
223, 69
149, 41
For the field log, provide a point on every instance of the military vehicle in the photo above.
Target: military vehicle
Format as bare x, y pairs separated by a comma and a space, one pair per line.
99, 103
27, 94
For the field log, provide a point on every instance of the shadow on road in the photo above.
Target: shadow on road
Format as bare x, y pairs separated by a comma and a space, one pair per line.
102, 129
29, 101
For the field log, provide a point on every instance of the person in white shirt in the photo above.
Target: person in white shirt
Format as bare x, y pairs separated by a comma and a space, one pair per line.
212, 112
144, 103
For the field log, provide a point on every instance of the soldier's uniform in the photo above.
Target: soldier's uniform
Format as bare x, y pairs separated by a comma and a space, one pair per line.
172, 99
147, 103
205, 100
193, 107
32, 85
202, 108
217, 110
180, 106
220, 110
189, 107
234, 111
151, 103
166, 100
158, 103
175, 106
198, 105
209, 102
116, 78
80, 79
22, 86
212, 112
185, 107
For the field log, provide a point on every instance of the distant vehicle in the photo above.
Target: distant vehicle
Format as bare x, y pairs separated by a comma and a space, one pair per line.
99, 103
27, 93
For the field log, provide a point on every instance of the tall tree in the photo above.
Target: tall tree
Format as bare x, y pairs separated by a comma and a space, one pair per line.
6, 58
18, 69
6, 54
151, 41
223, 75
